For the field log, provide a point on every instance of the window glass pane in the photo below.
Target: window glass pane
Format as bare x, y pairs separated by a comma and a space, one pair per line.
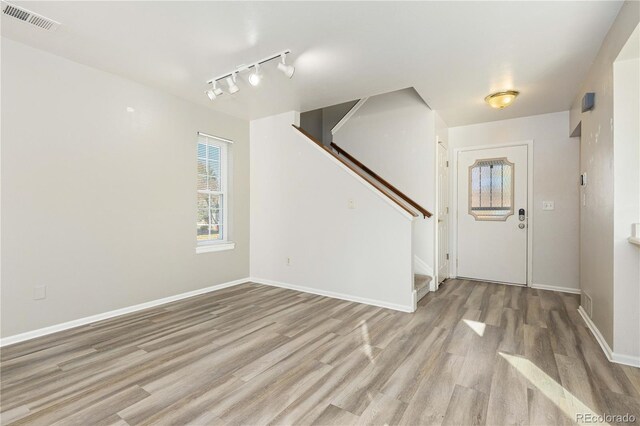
213, 167
202, 182
491, 189
209, 222
202, 150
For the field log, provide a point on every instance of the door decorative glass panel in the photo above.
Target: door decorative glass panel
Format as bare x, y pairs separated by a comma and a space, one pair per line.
491, 189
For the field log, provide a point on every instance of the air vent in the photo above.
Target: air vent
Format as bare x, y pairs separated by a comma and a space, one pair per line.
28, 16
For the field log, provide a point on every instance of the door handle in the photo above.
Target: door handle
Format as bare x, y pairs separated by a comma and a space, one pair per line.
521, 225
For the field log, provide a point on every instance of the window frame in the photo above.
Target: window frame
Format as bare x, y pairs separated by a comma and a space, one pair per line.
223, 243
511, 211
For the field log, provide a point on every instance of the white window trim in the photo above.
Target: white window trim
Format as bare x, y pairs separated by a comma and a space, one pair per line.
217, 246
224, 243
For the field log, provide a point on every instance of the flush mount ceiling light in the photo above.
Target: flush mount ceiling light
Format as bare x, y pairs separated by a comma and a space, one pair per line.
500, 100
254, 78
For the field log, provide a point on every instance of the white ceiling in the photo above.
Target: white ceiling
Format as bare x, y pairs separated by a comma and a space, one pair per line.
453, 53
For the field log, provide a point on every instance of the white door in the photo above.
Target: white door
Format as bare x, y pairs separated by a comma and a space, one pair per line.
492, 214
443, 214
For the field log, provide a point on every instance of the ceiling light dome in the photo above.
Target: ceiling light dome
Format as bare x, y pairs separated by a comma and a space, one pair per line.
500, 100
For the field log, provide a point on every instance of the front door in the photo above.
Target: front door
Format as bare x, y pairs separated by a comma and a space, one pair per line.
492, 214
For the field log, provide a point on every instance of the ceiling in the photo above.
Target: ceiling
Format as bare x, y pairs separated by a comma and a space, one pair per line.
453, 53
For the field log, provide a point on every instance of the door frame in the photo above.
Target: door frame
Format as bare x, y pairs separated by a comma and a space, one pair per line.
453, 202
436, 268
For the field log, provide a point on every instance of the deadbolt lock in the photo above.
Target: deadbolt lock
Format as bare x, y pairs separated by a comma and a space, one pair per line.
521, 225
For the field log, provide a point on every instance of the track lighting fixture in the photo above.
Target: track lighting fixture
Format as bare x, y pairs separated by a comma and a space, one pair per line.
287, 70
214, 92
231, 82
255, 75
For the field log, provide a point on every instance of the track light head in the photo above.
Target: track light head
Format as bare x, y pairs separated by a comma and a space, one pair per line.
231, 82
287, 70
255, 77
214, 92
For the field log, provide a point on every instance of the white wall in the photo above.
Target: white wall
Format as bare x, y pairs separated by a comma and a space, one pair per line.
626, 154
299, 210
394, 135
98, 203
597, 160
555, 178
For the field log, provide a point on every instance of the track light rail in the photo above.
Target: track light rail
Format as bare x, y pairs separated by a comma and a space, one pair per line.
248, 67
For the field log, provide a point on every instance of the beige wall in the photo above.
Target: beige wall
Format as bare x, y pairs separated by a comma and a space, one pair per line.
555, 178
98, 203
341, 236
596, 159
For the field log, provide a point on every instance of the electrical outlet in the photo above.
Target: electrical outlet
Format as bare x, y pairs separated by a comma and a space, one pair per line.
351, 204
39, 292
548, 205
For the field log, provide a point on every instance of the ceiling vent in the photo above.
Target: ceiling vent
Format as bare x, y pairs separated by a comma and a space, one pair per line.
28, 16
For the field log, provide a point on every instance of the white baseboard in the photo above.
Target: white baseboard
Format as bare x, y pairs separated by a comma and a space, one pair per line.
633, 361
99, 317
335, 295
555, 288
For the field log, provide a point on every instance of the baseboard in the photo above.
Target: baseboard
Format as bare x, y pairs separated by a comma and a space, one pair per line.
10, 340
555, 288
335, 295
633, 361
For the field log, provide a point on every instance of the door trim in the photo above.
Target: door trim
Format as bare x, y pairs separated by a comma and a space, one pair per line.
453, 202
436, 242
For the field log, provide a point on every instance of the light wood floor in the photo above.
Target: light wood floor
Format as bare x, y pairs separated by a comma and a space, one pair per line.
473, 353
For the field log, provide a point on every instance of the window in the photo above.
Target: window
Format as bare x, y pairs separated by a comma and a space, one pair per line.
491, 189
213, 200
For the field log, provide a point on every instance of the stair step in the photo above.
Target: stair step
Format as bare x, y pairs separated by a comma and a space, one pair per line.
421, 281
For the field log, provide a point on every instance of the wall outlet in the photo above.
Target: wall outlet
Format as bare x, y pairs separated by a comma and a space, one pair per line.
39, 292
289, 261
351, 204
548, 205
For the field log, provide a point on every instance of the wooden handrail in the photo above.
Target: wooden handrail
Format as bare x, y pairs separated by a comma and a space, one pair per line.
426, 213
353, 169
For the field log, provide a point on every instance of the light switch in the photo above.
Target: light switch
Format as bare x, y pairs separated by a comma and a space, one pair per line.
548, 205
351, 204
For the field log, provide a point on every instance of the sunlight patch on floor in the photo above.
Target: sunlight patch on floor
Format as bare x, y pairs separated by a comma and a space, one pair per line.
476, 326
555, 392
364, 330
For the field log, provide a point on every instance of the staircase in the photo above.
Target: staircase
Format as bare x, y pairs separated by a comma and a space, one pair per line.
421, 281
390, 191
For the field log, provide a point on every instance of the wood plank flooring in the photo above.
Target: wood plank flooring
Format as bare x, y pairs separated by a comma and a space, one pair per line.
472, 354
